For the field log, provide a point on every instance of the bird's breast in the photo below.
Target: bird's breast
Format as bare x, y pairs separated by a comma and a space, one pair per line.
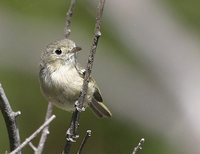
68, 78
62, 87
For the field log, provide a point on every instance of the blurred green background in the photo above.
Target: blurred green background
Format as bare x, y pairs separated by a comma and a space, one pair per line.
130, 87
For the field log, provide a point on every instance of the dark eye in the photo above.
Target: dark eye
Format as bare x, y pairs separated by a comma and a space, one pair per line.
58, 51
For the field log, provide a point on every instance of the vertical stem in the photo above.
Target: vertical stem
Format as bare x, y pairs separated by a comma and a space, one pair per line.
10, 120
76, 114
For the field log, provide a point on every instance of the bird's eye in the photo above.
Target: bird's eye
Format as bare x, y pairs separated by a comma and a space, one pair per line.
58, 51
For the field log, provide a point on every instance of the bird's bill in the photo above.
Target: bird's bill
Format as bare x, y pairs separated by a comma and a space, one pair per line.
76, 49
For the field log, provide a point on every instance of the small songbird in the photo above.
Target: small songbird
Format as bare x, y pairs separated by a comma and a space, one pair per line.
61, 79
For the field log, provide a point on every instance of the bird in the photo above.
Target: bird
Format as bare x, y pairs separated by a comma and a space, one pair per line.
61, 79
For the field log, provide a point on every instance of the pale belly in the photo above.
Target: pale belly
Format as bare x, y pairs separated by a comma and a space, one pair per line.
62, 88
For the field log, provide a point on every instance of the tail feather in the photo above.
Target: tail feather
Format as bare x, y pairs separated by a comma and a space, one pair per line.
97, 113
100, 109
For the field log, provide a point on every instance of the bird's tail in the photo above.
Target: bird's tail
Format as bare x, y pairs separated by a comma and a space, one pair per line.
100, 109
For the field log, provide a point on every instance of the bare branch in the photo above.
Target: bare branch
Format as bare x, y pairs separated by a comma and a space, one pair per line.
45, 131
68, 19
87, 135
71, 133
10, 120
139, 146
29, 139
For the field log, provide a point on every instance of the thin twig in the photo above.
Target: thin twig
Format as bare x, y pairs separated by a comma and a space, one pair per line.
97, 34
32, 146
68, 19
45, 131
72, 131
10, 120
87, 135
139, 146
29, 139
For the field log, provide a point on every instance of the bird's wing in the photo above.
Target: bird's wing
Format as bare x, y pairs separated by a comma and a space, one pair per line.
96, 104
80, 70
97, 95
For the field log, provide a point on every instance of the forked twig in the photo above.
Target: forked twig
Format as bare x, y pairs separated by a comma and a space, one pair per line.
32, 146
30, 138
45, 131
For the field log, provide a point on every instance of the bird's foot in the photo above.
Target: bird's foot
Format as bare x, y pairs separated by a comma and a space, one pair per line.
71, 137
78, 108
